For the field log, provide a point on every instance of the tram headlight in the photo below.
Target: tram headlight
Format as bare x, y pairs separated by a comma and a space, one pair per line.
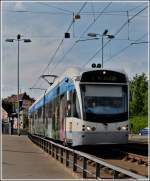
88, 128
124, 128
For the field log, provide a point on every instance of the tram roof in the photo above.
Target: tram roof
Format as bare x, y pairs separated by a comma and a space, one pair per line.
71, 73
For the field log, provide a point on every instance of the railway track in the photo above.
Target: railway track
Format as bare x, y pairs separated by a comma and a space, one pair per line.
139, 159
135, 163
92, 161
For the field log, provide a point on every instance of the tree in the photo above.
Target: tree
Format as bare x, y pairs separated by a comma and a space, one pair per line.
145, 108
139, 95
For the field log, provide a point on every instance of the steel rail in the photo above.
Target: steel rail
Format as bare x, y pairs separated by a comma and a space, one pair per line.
132, 155
53, 149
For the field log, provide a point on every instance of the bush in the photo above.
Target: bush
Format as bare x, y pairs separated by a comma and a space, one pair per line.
138, 122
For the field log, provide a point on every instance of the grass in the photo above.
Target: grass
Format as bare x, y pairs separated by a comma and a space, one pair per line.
138, 122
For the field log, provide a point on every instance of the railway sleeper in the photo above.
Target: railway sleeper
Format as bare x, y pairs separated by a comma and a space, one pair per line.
145, 164
125, 158
132, 159
139, 161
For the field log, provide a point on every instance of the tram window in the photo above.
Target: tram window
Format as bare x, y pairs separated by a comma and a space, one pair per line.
35, 115
75, 106
46, 110
40, 110
30, 116
49, 110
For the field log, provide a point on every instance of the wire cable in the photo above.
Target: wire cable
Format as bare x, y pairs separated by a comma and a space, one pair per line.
77, 13
123, 49
90, 25
126, 22
37, 12
55, 7
52, 58
137, 6
111, 13
117, 32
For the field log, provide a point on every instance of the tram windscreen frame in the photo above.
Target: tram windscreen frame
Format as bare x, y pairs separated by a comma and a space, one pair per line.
104, 102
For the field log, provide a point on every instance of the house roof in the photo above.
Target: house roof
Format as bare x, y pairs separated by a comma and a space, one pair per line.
14, 98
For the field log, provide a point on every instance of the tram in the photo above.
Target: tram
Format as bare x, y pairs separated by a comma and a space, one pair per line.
84, 107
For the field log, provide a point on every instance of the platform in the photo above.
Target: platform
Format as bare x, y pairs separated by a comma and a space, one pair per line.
21, 159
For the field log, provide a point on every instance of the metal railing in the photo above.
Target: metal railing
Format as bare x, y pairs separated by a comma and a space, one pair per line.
70, 157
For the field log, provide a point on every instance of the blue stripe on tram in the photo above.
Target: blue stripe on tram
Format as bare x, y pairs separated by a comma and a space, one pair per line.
63, 86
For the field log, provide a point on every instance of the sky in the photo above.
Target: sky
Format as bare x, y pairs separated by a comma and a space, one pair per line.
45, 24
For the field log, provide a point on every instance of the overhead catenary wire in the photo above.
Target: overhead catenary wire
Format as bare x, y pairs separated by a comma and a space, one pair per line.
90, 25
109, 13
52, 58
93, 10
123, 49
126, 22
68, 12
55, 7
57, 38
117, 32
84, 4
37, 12
136, 7
107, 42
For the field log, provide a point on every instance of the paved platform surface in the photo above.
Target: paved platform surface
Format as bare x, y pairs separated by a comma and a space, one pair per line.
21, 159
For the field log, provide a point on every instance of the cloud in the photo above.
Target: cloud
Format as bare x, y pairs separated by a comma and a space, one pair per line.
130, 65
35, 56
18, 5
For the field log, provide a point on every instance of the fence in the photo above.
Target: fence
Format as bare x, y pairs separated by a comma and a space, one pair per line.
79, 160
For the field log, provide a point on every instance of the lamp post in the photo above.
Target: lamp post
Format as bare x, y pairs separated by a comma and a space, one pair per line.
26, 41
103, 35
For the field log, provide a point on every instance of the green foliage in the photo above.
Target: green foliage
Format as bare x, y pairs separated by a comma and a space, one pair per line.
138, 122
145, 108
139, 95
139, 102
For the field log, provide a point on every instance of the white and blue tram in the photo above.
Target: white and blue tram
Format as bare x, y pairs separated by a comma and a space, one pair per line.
84, 108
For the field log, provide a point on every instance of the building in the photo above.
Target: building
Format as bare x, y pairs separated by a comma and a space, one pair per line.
11, 105
5, 121
4, 116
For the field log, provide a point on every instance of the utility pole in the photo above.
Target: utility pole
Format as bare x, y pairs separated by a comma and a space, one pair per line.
105, 34
18, 57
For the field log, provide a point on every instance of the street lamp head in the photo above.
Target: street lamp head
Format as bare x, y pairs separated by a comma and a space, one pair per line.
111, 36
9, 40
105, 32
92, 34
27, 40
18, 37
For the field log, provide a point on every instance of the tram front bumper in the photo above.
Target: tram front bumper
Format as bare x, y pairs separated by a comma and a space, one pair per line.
90, 138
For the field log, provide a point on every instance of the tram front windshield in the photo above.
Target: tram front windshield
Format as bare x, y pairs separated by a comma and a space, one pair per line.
104, 102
